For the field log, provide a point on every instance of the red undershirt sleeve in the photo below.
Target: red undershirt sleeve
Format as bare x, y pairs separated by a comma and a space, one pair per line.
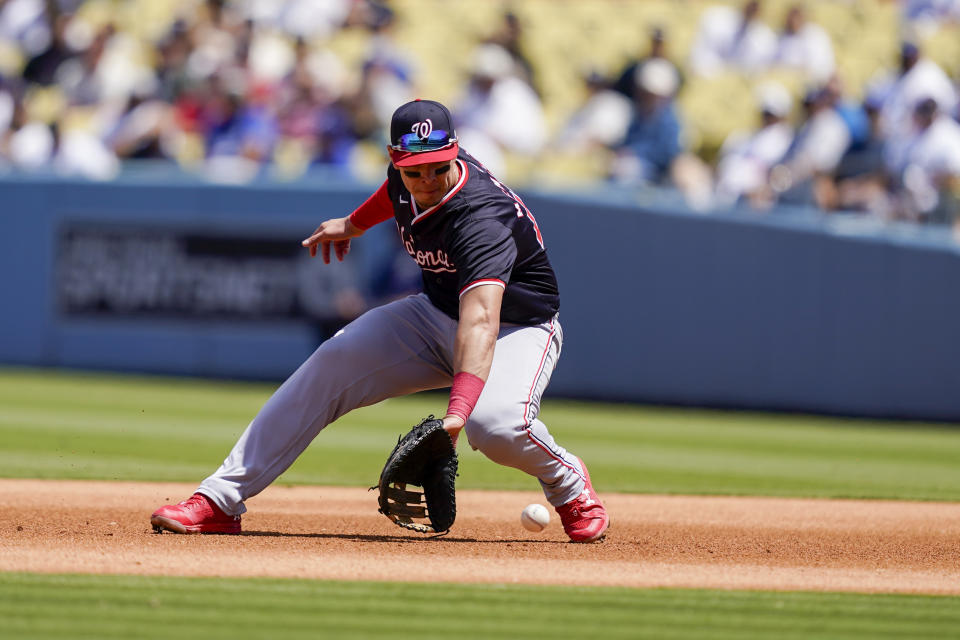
375, 210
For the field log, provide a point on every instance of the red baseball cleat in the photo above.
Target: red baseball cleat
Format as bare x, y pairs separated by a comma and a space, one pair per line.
196, 514
584, 518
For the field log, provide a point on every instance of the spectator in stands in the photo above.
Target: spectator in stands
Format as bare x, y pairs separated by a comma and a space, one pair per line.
653, 139
312, 119
307, 19
499, 113
805, 46
80, 151
26, 24
924, 17
804, 176
218, 42
743, 171
657, 50
141, 131
147, 126
321, 125
32, 144
917, 78
509, 35
727, 38
170, 67
27, 143
380, 23
240, 133
77, 76
42, 68
386, 75
852, 112
861, 177
931, 166
600, 122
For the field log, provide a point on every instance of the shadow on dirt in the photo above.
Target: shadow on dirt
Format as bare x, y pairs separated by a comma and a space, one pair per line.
360, 537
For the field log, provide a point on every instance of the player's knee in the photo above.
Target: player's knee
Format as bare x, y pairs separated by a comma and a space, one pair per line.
336, 349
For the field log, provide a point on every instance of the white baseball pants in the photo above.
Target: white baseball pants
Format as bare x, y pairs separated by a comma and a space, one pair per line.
397, 349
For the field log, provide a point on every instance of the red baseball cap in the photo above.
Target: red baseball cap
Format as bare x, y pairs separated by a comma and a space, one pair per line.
421, 132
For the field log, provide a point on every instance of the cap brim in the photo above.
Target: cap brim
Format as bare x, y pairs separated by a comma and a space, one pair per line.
410, 158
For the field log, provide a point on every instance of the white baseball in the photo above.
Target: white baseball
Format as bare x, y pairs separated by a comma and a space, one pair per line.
535, 517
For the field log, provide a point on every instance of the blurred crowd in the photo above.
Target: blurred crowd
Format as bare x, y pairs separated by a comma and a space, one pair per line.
229, 87
239, 89
893, 154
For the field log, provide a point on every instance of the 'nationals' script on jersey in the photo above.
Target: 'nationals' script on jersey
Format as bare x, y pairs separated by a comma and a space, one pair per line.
480, 233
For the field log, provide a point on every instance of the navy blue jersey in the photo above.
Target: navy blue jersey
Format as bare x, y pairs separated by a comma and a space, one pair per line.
480, 233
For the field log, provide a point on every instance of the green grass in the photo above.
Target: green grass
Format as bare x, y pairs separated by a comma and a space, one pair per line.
116, 427
72, 606
70, 425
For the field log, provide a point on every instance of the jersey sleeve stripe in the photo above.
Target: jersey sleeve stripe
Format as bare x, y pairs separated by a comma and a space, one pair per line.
480, 283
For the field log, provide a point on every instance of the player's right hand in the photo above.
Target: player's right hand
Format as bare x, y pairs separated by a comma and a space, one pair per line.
336, 232
453, 425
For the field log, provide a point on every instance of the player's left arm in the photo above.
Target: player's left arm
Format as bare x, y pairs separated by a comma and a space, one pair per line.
475, 341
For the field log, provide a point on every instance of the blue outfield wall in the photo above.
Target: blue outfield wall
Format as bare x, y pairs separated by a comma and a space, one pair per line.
787, 311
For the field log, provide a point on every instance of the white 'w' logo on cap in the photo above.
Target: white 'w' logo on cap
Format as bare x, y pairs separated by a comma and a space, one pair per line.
423, 129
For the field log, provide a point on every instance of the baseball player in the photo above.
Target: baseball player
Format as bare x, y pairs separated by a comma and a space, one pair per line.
485, 325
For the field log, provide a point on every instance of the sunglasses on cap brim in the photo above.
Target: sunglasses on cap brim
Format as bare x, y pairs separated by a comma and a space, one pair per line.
413, 143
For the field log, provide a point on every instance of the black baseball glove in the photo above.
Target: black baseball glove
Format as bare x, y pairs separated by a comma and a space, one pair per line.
425, 457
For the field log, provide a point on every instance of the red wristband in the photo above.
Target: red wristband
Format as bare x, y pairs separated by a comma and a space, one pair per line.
464, 394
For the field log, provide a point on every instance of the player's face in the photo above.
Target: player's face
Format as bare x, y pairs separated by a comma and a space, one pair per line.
428, 183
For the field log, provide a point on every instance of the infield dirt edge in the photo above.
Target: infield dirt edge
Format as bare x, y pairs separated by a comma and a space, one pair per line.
335, 533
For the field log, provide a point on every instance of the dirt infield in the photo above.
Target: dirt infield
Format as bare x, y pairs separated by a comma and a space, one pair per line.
336, 533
